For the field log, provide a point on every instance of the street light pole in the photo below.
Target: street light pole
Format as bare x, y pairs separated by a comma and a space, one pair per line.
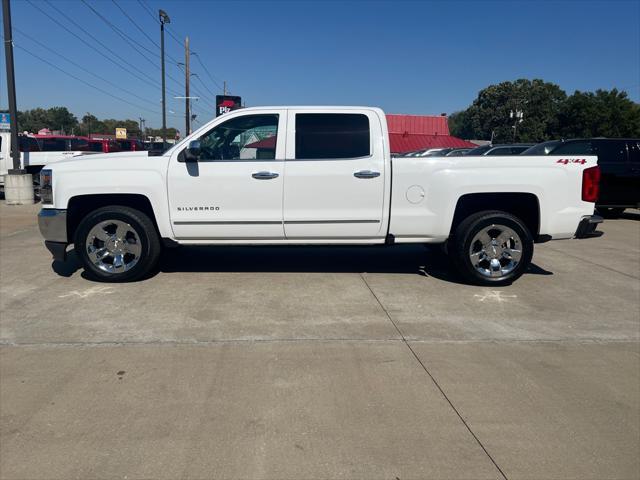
164, 18
11, 87
187, 104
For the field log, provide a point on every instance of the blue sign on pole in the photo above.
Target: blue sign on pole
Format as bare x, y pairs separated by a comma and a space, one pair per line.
5, 121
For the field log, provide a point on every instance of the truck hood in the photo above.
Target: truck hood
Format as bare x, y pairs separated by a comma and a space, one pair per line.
120, 161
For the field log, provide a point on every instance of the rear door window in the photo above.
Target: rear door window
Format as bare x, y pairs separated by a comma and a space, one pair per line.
332, 135
54, 144
28, 144
500, 151
634, 152
574, 148
611, 151
79, 144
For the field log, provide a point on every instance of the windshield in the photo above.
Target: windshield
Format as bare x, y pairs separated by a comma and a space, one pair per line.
544, 148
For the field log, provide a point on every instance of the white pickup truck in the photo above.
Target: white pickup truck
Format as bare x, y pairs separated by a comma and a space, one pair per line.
38, 151
312, 175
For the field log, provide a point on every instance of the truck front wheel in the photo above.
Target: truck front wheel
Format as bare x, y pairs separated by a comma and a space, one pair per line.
491, 248
117, 244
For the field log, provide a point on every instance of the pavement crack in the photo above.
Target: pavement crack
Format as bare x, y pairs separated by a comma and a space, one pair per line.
435, 382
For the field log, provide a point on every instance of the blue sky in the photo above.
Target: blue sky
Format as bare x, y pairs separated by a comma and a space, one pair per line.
422, 57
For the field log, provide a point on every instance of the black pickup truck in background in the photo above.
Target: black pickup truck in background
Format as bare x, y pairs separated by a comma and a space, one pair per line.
619, 161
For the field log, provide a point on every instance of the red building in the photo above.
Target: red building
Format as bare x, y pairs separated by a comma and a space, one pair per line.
408, 133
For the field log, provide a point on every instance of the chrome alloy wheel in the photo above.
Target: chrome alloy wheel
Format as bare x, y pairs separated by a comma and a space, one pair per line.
495, 251
113, 246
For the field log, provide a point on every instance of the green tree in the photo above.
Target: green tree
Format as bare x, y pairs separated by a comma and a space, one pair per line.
489, 114
60, 118
56, 118
599, 114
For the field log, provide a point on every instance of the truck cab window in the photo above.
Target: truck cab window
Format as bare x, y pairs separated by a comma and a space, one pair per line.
54, 145
332, 135
250, 137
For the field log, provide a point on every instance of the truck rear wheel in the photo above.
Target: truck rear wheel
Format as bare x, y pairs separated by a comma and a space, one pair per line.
491, 248
117, 244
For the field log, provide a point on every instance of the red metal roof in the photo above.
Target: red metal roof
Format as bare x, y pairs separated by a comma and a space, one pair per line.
269, 143
419, 132
423, 124
407, 142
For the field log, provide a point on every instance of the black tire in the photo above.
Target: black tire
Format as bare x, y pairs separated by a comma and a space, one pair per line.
460, 245
148, 243
610, 212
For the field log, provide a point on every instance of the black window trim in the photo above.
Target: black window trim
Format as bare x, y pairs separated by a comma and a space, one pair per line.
304, 112
180, 155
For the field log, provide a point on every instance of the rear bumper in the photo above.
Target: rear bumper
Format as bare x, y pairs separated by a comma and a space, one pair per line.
53, 227
587, 227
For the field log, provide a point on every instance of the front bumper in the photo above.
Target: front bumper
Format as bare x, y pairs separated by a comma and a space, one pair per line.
587, 227
53, 227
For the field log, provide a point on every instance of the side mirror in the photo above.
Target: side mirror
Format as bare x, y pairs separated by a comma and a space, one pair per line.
192, 152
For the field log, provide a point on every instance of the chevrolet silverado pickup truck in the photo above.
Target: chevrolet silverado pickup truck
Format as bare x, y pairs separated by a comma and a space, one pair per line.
312, 175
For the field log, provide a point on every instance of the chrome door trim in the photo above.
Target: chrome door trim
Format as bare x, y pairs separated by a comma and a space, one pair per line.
226, 222
311, 222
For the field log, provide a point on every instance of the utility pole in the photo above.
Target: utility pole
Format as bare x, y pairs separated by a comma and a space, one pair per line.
187, 101
18, 184
164, 18
224, 90
11, 87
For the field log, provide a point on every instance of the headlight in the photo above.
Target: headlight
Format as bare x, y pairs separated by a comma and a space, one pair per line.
46, 186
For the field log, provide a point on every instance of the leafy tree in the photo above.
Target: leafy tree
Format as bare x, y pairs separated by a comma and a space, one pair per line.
489, 114
599, 114
61, 119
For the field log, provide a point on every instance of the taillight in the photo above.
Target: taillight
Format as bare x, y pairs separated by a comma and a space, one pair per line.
590, 184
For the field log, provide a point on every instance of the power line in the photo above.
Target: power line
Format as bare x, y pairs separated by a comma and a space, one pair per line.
77, 65
133, 70
121, 34
148, 10
85, 82
132, 42
124, 12
150, 80
206, 70
170, 33
206, 87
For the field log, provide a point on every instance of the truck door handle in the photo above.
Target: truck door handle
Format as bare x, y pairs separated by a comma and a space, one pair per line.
265, 175
366, 174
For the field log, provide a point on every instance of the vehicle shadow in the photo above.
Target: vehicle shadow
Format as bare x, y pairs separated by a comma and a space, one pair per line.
67, 268
401, 259
631, 215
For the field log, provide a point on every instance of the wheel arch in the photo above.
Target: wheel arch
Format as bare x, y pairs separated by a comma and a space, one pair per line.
525, 206
80, 206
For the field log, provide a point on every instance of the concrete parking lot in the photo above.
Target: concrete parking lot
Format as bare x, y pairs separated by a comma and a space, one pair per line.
309, 363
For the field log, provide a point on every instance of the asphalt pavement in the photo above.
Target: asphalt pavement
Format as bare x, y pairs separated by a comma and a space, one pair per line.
320, 362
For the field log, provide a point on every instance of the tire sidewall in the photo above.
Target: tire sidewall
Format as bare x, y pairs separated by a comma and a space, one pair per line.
472, 228
128, 216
